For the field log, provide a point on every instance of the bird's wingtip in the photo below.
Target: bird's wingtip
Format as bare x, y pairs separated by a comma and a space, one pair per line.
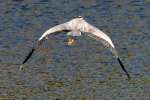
123, 67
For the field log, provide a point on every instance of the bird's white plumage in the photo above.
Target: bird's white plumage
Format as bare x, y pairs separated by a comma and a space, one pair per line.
78, 24
74, 33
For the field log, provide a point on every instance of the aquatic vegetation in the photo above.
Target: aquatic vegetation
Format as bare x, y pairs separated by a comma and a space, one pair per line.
7, 53
55, 84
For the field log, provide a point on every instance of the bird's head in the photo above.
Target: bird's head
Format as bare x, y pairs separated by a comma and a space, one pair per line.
76, 20
79, 17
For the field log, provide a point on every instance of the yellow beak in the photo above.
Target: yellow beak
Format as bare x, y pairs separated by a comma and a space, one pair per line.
70, 41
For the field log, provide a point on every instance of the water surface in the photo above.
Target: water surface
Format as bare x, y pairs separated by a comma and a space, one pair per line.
84, 71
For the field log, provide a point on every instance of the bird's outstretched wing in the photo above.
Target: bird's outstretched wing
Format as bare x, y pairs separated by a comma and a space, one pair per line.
57, 28
104, 42
80, 24
98, 35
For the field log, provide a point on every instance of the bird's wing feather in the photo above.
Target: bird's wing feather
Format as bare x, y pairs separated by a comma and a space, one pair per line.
104, 42
98, 35
57, 28
104, 39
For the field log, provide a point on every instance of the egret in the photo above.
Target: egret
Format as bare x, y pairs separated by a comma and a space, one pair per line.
75, 27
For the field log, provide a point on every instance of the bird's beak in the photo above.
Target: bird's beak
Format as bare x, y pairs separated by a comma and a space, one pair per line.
70, 41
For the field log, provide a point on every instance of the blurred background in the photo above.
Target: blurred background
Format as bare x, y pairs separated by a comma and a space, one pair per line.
84, 71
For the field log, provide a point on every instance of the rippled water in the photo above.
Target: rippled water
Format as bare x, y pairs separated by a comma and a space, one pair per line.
84, 71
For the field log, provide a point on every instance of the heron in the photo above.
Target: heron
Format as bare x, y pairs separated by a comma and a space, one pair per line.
75, 27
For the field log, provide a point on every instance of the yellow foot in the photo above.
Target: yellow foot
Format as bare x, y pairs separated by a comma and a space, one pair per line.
70, 41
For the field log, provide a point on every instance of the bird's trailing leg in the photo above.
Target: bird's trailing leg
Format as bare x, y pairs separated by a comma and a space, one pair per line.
70, 41
71, 35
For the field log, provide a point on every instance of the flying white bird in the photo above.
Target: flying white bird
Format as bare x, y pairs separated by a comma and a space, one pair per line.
75, 27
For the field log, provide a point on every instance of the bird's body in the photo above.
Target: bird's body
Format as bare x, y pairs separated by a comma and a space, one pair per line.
74, 33
80, 25
77, 26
